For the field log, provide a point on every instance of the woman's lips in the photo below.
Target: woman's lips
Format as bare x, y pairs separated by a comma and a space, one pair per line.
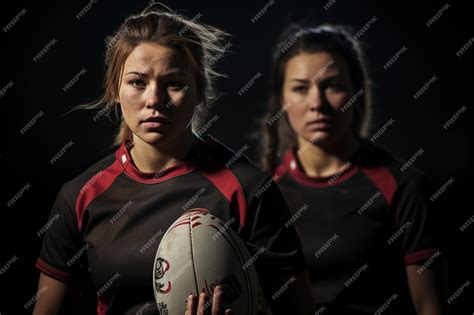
153, 124
319, 124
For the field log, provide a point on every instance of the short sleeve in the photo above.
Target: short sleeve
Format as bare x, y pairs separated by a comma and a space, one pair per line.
414, 221
62, 252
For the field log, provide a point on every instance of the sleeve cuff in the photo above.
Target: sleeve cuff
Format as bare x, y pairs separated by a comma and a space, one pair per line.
419, 255
52, 272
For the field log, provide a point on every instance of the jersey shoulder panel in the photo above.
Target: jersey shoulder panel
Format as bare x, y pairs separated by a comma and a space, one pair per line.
250, 176
73, 187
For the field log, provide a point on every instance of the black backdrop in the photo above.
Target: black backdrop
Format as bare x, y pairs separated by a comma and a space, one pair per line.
32, 85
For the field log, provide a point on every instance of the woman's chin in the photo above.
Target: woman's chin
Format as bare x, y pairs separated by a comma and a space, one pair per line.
154, 138
321, 137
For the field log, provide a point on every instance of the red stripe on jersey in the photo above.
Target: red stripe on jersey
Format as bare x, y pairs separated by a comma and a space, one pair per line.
383, 179
98, 184
283, 168
229, 185
101, 306
151, 178
419, 255
290, 165
51, 271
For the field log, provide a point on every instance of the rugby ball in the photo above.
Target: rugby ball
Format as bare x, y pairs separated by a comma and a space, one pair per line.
198, 252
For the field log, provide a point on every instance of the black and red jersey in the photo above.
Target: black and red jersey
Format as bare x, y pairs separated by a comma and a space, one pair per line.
359, 229
107, 223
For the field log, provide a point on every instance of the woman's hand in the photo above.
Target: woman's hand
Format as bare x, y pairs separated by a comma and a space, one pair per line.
203, 307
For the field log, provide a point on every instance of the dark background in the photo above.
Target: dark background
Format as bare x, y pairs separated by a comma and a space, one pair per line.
38, 86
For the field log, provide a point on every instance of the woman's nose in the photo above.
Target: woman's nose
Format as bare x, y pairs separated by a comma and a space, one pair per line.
154, 99
315, 99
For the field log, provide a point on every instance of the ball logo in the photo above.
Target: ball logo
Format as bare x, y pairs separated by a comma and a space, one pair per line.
162, 266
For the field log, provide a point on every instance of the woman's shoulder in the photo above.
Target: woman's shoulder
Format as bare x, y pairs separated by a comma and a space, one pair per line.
248, 174
91, 175
375, 156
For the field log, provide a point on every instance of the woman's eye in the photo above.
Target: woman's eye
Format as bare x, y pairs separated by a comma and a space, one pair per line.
336, 86
177, 86
300, 89
137, 83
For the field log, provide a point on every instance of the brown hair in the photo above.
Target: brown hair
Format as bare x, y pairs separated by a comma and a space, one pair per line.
158, 24
278, 136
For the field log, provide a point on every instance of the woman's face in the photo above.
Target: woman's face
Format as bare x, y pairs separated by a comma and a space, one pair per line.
316, 89
157, 93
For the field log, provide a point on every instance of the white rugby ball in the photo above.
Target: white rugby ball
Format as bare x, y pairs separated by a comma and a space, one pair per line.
199, 252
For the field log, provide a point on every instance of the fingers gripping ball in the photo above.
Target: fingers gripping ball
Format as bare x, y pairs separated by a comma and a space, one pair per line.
197, 253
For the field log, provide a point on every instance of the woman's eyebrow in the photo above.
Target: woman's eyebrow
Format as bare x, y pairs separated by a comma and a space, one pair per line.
144, 74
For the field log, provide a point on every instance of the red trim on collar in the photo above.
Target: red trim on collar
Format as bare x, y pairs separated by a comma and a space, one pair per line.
290, 165
124, 158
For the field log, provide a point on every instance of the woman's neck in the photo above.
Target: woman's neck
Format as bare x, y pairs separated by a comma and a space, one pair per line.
152, 159
325, 161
